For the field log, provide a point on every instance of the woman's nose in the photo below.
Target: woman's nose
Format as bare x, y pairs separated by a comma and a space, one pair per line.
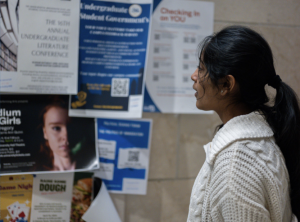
64, 133
194, 76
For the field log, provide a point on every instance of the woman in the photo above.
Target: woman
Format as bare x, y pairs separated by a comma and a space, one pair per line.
56, 148
251, 172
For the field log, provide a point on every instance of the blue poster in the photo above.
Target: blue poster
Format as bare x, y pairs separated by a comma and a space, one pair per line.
124, 151
112, 59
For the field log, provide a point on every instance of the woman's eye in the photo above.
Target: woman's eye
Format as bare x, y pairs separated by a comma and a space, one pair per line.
56, 128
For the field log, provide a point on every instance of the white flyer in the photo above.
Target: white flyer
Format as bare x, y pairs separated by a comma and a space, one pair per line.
107, 148
51, 197
102, 208
177, 29
39, 46
135, 158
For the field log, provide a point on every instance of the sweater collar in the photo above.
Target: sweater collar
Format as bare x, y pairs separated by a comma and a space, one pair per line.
252, 125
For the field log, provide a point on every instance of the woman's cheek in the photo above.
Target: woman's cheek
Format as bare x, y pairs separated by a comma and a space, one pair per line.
53, 141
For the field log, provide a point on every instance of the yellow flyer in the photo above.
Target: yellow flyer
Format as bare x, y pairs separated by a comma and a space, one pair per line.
15, 198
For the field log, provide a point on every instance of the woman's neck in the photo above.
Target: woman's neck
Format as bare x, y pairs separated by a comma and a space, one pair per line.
63, 163
232, 111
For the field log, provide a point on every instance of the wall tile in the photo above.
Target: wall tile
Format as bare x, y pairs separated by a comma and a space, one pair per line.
145, 208
119, 202
258, 11
163, 145
166, 201
175, 200
195, 131
285, 44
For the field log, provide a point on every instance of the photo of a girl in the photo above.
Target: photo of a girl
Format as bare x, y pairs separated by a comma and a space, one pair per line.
62, 146
56, 146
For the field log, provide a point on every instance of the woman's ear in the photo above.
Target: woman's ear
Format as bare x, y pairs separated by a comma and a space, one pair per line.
229, 85
45, 134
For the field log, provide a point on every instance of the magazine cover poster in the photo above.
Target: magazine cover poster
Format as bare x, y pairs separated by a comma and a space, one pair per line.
15, 198
112, 58
37, 135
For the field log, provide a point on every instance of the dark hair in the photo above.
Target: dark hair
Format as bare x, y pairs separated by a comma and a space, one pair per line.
244, 54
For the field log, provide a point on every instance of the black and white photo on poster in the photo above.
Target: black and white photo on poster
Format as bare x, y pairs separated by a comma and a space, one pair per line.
39, 55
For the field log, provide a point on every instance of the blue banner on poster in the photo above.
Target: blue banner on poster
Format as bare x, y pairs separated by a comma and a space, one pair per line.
124, 150
112, 59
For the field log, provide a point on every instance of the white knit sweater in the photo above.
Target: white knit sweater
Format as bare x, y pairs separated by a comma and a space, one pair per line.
244, 177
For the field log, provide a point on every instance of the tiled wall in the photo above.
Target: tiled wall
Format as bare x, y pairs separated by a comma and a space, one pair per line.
177, 140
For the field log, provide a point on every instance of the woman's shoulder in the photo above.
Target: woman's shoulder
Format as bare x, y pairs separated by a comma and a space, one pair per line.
260, 156
263, 150
250, 172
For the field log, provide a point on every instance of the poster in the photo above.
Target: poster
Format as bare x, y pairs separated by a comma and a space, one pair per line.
15, 198
51, 197
112, 58
37, 135
39, 55
59, 197
81, 195
124, 150
177, 29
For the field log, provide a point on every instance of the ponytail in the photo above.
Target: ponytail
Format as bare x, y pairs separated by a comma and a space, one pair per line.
284, 119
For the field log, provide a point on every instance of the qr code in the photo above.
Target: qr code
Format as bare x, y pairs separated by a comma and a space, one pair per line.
185, 79
156, 50
119, 87
133, 156
156, 65
185, 56
156, 36
155, 78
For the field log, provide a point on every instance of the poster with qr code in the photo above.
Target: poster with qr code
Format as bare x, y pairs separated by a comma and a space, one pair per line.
124, 151
177, 29
113, 46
